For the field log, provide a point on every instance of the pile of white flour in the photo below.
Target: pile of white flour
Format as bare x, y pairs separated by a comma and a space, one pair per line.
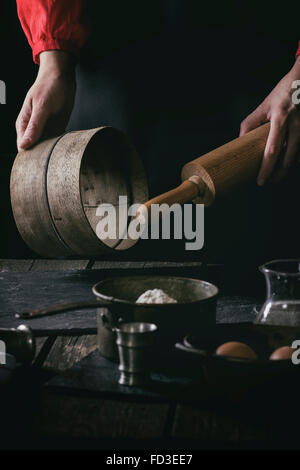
155, 296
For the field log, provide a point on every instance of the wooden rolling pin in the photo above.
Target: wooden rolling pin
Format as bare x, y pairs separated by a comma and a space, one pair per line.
57, 186
220, 171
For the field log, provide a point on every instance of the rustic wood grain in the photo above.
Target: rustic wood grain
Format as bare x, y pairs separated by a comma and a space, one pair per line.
107, 265
224, 425
230, 166
58, 264
60, 183
67, 350
191, 423
144, 265
202, 424
67, 415
44, 347
194, 269
15, 265
39, 343
28, 195
219, 171
93, 417
187, 191
25, 265
23, 292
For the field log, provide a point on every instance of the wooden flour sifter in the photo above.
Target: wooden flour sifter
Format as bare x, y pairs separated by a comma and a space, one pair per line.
57, 186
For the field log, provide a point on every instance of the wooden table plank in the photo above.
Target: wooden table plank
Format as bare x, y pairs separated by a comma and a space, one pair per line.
45, 348
67, 350
58, 264
39, 343
223, 425
92, 417
76, 415
73, 416
191, 423
109, 265
15, 265
25, 265
23, 292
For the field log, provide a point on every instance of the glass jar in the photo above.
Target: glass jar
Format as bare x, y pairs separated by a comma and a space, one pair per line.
282, 305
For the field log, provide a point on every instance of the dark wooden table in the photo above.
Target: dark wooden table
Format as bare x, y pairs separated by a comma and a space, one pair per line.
69, 418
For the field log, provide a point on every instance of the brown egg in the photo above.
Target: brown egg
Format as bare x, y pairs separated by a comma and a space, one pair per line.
285, 352
236, 349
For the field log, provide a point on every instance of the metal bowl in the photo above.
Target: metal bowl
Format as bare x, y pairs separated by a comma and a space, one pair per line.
196, 308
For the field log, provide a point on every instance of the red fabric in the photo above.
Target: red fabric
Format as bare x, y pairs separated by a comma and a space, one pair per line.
53, 24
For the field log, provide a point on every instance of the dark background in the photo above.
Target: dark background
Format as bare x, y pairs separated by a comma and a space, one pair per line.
178, 76
18, 72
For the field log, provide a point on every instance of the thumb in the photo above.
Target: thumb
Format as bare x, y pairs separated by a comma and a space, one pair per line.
254, 120
34, 128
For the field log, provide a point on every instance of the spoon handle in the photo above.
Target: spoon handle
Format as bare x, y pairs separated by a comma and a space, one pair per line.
61, 308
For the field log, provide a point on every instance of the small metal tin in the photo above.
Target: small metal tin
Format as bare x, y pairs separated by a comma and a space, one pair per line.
134, 342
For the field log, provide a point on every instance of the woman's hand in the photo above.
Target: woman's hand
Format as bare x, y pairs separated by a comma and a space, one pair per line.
283, 145
49, 102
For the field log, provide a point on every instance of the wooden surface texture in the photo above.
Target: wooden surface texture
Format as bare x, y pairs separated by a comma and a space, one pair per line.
79, 417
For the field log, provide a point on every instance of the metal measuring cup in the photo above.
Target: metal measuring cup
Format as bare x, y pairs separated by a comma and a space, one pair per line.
134, 342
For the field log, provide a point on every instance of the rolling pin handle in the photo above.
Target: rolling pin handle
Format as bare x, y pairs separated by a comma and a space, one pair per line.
187, 191
199, 183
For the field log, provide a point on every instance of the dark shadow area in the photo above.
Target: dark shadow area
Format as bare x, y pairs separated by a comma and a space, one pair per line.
178, 78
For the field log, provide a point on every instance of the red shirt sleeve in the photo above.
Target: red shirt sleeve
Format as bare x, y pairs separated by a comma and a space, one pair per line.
53, 24
298, 50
